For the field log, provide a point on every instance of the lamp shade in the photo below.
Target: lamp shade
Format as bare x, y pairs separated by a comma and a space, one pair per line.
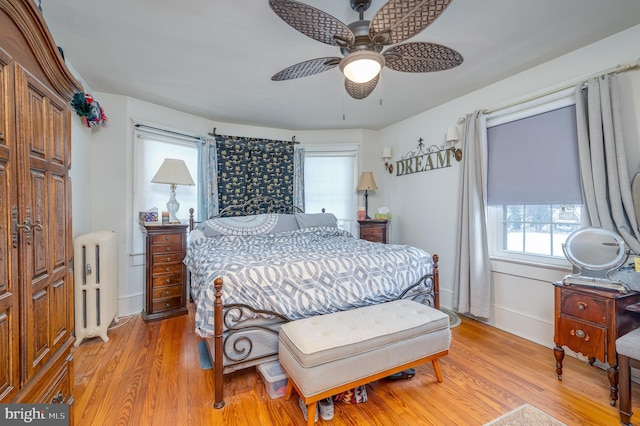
452, 134
366, 182
174, 172
362, 66
386, 153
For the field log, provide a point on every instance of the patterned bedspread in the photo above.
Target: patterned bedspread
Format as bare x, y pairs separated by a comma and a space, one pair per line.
300, 273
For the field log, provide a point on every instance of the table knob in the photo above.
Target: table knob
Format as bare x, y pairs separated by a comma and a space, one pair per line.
582, 306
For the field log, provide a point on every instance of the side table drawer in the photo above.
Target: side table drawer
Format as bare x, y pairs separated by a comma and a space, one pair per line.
171, 291
166, 268
166, 238
587, 339
583, 306
372, 234
167, 279
166, 304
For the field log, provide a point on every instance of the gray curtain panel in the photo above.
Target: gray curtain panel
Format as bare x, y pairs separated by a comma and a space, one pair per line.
472, 283
605, 178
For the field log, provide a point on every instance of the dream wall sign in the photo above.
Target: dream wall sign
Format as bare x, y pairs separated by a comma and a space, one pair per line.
424, 160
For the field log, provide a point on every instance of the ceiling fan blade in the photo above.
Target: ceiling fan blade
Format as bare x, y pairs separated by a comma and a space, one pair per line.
399, 20
360, 90
306, 68
421, 57
312, 22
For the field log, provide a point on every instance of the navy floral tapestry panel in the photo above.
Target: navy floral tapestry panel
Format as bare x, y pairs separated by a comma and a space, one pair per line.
250, 168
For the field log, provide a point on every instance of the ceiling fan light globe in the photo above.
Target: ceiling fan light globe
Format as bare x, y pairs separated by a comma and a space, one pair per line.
362, 67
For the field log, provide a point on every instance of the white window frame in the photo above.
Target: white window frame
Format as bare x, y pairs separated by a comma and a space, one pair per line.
154, 132
494, 213
329, 150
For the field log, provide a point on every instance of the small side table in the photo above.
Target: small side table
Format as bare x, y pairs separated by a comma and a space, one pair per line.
166, 275
374, 230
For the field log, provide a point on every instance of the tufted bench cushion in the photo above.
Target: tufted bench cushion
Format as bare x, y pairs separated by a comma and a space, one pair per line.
325, 353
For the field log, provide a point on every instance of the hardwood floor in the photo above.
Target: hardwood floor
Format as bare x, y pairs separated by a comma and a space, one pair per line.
149, 374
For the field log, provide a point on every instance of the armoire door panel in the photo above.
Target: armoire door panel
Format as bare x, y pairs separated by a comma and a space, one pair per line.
9, 302
49, 316
58, 223
40, 336
57, 114
37, 142
59, 328
37, 213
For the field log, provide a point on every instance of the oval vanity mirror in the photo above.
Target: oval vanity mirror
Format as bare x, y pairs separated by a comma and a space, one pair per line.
595, 252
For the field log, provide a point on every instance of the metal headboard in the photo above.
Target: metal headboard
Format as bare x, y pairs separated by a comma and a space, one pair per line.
258, 205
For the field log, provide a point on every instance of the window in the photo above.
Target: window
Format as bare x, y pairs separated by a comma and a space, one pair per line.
330, 174
150, 150
533, 178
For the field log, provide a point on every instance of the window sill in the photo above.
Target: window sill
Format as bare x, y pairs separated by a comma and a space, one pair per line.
530, 269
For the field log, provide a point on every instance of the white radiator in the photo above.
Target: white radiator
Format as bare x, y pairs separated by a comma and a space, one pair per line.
95, 273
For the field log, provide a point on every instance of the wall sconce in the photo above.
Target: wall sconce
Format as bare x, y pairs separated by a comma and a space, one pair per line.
453, 137
386, 156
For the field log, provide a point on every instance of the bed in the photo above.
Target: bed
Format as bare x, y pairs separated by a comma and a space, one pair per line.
261, 264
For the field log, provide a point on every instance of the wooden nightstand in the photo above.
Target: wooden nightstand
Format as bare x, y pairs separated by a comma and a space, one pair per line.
373, 230
588, 321
166, 275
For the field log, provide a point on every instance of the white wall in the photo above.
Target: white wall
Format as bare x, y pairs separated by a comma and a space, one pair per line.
425, 206
109, 174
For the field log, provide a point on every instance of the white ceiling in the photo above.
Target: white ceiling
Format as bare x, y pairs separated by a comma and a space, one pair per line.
215, 58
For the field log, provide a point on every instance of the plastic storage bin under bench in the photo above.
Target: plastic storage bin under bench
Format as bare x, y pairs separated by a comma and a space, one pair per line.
274, 378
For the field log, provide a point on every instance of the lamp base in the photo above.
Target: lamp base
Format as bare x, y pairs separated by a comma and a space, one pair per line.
173, 205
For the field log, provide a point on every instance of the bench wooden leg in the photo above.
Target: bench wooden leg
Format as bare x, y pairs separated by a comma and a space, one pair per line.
436, 368
311, 413
289, 390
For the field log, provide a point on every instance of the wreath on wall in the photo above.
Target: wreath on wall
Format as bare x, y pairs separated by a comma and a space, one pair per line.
89, 110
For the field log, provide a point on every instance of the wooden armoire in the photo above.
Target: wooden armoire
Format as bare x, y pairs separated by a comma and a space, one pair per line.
36, 279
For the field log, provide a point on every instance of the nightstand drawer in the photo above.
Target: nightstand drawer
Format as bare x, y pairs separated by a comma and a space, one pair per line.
585, 307
372, 234
166, 268
587, 339
167, 258
167, 279
171, 291
166, 248
166, 304
166, 238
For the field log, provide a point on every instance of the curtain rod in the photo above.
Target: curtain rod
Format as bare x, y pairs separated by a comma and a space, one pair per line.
292, 141
182, 135
564, 86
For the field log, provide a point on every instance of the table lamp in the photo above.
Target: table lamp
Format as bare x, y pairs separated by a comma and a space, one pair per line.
174, 172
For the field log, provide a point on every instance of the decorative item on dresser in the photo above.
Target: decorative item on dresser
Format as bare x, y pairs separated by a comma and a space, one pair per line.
174, 172
36, 247
374, 230
166, 275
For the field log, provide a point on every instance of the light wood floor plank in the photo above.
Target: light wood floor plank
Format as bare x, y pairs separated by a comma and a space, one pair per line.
149, 374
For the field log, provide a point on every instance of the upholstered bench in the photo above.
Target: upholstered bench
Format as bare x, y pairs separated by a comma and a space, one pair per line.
328, 354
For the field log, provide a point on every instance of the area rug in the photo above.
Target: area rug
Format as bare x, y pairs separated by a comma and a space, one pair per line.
525, 415
454, 319
205, 360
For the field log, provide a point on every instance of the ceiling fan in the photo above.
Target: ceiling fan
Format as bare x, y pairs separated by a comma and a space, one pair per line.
361, 42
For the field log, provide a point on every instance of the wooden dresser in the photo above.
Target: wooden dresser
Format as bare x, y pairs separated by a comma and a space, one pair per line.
36, 238
588, 321
166, 275
373, 230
